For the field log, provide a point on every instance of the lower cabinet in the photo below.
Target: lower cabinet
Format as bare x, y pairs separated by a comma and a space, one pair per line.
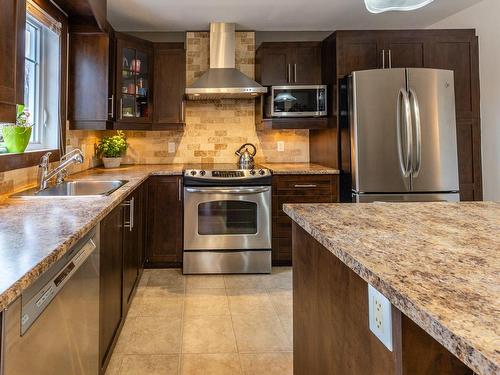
110, 300
296, 189
121, 242
164, 221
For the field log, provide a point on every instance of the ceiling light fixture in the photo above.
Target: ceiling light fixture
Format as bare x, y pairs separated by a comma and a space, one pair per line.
379, 6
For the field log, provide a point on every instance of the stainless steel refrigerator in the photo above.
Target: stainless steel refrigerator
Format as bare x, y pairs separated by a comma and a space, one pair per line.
402, 130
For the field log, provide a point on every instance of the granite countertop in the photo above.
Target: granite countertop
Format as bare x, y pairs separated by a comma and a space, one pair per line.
439, 263
299, 168
36, 232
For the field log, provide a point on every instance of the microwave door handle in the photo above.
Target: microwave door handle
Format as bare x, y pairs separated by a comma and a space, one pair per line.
228, 191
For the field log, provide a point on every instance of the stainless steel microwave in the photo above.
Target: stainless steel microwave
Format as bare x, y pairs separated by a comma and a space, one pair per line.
296, 101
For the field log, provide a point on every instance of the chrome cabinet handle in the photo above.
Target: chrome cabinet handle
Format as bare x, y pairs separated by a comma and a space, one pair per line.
390, 59
295, 73
404, 113
383, 59
179, 189
228, 191
415, 107
304, 186
112, 100
183, 106
121, 108
130, 223
289, 78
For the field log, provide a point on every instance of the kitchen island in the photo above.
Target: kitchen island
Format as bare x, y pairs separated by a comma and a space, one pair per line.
437, 263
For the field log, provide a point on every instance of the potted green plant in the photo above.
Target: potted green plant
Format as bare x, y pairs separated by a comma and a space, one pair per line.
17, 136
111, 149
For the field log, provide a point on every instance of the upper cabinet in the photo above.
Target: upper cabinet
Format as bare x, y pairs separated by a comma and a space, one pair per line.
288, 63
12, 28
134, 82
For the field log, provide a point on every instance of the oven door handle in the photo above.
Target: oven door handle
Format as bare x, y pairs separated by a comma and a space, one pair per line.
244, 190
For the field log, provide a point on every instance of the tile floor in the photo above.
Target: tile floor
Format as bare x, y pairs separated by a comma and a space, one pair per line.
232, 324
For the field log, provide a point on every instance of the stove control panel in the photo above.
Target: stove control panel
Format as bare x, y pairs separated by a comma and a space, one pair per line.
227, 174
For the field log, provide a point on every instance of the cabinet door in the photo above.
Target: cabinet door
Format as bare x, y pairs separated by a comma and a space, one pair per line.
12, 28
469, 159
358, 53
306, 66
132, 245
170, 83
111, 261
273, 65
164, 220
404, 52
134, 80
90, 105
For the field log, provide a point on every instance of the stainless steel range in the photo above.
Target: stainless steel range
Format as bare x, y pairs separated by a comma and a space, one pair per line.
227, 220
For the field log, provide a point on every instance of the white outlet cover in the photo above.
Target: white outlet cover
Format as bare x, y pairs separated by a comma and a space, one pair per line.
281, 146
380, 316
171, 147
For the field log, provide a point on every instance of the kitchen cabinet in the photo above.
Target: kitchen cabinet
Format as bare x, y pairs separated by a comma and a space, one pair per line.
164, 221
134, 82
296, 189
12, 30
457, 50
169, 85
111, 266
91, 98
282, 63
133, 240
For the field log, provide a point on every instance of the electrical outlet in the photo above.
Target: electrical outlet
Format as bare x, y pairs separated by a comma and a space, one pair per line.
380, 316
281, 146
171, 147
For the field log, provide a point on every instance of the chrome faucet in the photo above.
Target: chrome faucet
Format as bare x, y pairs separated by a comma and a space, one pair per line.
44, 175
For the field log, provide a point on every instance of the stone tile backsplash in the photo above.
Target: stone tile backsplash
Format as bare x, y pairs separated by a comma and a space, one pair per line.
214, 129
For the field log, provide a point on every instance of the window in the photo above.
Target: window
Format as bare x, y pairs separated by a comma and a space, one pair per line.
42, 89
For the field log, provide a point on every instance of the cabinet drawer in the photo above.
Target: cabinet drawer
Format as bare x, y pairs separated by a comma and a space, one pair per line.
299, 185
280, 200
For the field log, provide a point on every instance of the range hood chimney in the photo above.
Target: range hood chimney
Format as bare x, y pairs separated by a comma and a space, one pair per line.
223, 80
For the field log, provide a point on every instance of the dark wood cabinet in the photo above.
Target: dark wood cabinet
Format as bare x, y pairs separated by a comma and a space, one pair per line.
164, 221
133, 240
134, 82
280, 63
457, 50
91, 98
111, 266
169, 85
296, 189
330, 323
12, 30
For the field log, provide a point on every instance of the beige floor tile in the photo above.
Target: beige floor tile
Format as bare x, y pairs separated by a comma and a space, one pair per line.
208, 334
281, 300
150, 365
210, 364
260, 333
206, 302
144, 278
287, 323
157, 301
249, 301
267, 363
244, 281
115, 364
154, 335
125, 335
172, 279
280, 278
205, 281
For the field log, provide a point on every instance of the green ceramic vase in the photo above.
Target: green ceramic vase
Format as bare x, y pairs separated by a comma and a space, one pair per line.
16, 138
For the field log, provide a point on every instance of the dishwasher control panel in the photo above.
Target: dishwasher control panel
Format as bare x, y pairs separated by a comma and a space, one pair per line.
36, 305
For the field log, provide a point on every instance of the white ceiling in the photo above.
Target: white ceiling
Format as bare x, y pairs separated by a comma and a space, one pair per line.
270, 15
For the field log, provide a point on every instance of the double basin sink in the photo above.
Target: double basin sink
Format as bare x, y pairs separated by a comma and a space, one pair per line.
81, 188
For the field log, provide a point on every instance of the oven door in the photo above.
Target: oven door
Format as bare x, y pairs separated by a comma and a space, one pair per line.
227, 218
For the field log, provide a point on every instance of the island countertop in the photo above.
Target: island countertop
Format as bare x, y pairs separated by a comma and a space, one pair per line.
438, 263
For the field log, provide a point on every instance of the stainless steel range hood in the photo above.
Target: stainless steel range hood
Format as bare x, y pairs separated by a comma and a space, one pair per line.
223, 80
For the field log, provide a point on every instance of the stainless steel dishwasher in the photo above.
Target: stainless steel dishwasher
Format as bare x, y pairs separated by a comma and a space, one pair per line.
53, 328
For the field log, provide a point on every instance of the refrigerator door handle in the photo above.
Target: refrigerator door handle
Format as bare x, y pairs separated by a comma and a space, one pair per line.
404, 114
415, 108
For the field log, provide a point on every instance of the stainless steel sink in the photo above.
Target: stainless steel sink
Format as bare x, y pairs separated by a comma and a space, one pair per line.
74, 189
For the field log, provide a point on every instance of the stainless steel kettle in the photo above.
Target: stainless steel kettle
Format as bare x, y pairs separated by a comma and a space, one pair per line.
246, 157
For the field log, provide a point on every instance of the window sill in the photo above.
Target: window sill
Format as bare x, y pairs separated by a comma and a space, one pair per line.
27, 159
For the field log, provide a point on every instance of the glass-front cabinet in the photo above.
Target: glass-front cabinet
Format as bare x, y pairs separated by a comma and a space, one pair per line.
134, 82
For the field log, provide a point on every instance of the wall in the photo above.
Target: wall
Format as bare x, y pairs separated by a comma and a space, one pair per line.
484, 18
